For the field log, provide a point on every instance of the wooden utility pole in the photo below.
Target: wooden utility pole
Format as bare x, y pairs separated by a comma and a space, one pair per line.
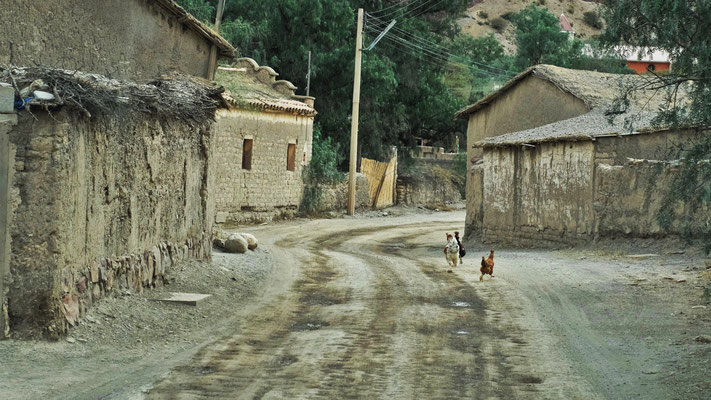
354, 117
212, 63
308, 76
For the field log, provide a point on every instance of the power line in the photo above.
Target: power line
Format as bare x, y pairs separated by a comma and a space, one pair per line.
407, 8
437, 54
431, 44
423, 11
433, 58
394, 6
434, 46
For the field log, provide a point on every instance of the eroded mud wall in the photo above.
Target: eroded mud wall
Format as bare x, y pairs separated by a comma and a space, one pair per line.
127, 39
268, 184
102, 205
7, 121
629, 197
538, 196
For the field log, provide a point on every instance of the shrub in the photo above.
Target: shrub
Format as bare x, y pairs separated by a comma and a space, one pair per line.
483, 14
507, 15
322, 169
498, 24
542, 2
592, 19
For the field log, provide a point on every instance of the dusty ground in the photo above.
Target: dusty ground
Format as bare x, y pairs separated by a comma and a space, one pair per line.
364, 308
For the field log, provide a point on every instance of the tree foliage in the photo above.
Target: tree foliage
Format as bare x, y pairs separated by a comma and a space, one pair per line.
540, 39
682, 28
403, 90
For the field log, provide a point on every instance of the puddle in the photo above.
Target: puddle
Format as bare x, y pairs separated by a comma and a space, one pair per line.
461, 304
462, 332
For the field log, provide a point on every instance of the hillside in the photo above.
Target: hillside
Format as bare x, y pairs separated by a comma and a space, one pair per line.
479, 17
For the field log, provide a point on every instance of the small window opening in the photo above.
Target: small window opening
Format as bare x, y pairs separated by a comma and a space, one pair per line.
247, 154
291, 157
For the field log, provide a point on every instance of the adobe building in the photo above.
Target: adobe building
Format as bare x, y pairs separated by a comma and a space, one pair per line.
264, 142
125, 39
105, 183
551, 164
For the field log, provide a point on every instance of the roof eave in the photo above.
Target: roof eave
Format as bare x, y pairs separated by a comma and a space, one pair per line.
225, 49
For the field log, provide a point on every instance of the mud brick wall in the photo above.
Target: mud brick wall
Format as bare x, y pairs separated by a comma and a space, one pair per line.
663, 145
536, 196
126, 39
628, 199
268, 185
101, 205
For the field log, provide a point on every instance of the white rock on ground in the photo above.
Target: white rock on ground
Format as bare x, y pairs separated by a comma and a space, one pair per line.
251, 240
236, 244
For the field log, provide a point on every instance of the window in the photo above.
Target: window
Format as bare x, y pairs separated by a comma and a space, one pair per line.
291, 157
247, 154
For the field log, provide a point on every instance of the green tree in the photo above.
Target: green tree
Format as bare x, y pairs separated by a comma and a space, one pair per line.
540, 39
682, 28
200, 9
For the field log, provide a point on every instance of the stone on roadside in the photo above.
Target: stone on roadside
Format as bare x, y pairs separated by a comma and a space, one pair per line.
703, 339
707, 263
251, 240
236, 244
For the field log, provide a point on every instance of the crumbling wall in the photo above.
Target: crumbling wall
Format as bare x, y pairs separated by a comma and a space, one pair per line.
664, 145
541, 195
268, 185
7, 121
628, 199
334, 197
99, 205
473, 223
430, 182
128, 39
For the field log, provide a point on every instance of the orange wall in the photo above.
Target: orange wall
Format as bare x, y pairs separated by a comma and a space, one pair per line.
641, 66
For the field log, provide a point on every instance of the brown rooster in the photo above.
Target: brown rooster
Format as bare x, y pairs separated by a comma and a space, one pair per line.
487, 266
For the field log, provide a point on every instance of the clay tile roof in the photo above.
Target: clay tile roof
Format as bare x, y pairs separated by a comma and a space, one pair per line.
251, 86
593, 88
224, 47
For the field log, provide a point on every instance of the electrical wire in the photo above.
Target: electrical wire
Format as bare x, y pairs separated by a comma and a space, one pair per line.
394, 6
436, 54
434, 59
434, 46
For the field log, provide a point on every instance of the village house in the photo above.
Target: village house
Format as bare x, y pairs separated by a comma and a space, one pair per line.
124, 39
105, 183
264, 142
551, 164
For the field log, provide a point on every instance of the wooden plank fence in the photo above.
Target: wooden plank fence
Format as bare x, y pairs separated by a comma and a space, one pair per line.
382, 178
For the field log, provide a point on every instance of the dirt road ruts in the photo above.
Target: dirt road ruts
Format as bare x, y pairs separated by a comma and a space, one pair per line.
372, 313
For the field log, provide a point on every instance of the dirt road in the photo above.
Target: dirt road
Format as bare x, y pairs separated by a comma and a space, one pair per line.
364, 308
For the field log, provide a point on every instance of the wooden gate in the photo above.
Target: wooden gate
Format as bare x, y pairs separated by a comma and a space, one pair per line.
382, 177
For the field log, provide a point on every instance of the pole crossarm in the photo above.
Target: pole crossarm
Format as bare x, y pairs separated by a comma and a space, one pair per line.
383, 33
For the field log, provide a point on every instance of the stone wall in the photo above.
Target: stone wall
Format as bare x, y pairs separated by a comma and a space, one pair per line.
268, 185
128, 39
100, 205
335, 197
